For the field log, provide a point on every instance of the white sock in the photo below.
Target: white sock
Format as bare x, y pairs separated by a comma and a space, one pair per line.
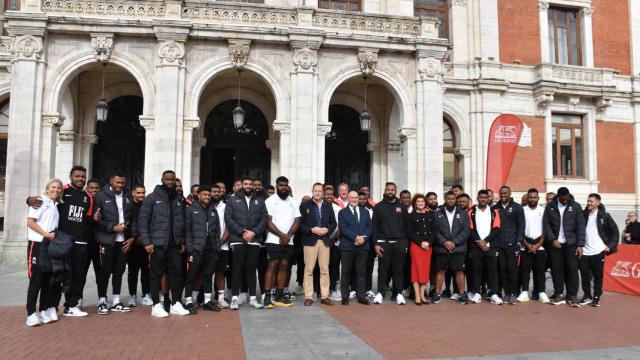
194, 294
220, 294
103, 300
207, 297
189, 300
253, 298
234, 298
116, 298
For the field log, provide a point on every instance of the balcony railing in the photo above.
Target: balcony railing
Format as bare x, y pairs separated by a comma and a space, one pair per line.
574, 75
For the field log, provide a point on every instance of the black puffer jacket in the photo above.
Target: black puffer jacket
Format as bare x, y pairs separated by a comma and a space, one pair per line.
573, 221
238, 217
202, 225
607, 228
105, 201
161, 220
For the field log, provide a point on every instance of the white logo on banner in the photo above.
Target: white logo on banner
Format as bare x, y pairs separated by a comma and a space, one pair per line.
506, 134
621, 269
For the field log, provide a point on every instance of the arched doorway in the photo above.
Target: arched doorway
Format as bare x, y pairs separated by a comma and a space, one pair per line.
346, 158
121, 141
451, 159
231, 153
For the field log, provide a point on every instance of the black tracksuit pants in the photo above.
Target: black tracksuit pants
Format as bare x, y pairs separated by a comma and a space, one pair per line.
484, 262
39, 281
392, 262
113, 263
592, 267
138, 262
245, 262
564, 269
93, 257
536, 262
171, 260
78, 260
205, 264
262, 265
508, 269
334, 267
368, 277
353, 261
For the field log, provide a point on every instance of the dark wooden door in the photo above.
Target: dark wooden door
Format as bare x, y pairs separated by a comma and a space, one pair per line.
121, 141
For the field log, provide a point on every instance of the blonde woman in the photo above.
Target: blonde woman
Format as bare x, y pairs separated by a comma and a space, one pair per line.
41, 224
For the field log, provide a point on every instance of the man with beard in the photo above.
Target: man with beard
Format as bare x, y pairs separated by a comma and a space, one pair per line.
223, 268
161, 227
246, 219
389, 236
283, 222
432, 205
137, 258
367, 193
534, 255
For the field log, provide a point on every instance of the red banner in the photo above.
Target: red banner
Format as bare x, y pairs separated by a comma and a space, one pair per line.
504, 137
622, 270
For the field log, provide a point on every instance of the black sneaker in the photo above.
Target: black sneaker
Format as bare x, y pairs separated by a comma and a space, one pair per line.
191, 308
210, 306
463, 299
572, 301
585, 301
103, 309
268, 304
558, 299
200, 299
394, 297
119, 307
535, 296
595, 302
167, 304
284, 302
435, 298
446, 293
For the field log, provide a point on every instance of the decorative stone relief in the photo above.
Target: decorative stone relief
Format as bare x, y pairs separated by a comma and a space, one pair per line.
542, 104
458, 2
91, 139
430, 68
52, 120
572, 102
305, 59
602, 103
135, 9
368, 59
66, 136
191, 123
586, 11
171, 52
282, 127
103, 45
28, 47
543, 5
6, 46
405, 133
147, 122
323, 129
246, 14
239, 52
393, 146
371, 23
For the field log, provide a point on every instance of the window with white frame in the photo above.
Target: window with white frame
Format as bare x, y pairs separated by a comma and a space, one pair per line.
567, 139
564, 36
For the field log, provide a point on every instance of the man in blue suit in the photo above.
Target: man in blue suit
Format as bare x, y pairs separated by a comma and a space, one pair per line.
355, 232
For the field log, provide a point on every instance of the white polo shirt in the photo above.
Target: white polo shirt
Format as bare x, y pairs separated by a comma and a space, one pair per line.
533, 220
46, 216
283, 214
483, 222
593, 244
220, 209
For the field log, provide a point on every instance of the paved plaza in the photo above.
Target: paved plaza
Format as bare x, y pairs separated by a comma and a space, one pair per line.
447, 330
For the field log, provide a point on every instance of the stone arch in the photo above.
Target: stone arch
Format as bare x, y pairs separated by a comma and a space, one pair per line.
73, 64
111, 92
5, 88
457, 119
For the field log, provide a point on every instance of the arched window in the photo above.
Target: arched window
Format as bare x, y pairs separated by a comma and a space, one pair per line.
437, 9
350, 5
450, 156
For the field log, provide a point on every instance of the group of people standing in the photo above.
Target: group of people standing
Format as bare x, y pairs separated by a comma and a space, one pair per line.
211, 241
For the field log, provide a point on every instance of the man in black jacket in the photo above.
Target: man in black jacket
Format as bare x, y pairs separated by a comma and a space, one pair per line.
512, 226
114, 239
161, 228
631, 234
246, 219
564, 230
137, 258
451, 227
389, 236
485, 229
202, 234
601, 238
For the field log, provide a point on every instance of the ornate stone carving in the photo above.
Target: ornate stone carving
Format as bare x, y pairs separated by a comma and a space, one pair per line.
602, 103
393, 146
239, 52
191, 123
171, 52
572, 102
430, 68
368, 59
28, 47
246, 14
282, 127
543, 5
135, 9
323, 128
406, 132
586, 11
6, 46
305, 59
147, 122
52, 119
458, 2
66, 136
367, 23
91, 139
103, 45
542, 104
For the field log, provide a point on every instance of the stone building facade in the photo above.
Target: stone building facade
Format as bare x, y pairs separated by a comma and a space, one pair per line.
436, 74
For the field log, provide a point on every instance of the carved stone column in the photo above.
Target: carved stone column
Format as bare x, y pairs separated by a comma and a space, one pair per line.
198, 144
190, 124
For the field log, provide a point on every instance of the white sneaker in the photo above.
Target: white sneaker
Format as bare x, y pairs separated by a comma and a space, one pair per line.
454, 296
254, 302
146, 300
74, 312
52, 313
43, 317
495, 299
222, 303
371, 295
33, 320
400, 300
335, 296
377, 299
157, 310
475, 298
132, 301
543, 298
178, 309
523, 297
242, 299
352, 295
234, 303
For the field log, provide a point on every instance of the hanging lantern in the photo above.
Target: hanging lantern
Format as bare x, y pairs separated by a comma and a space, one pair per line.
238, 112
365, 117
102, 108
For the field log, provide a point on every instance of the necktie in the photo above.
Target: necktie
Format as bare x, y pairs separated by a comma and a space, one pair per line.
355, 213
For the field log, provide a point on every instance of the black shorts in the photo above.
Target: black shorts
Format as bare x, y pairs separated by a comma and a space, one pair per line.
454, 262
223, 261
279, 252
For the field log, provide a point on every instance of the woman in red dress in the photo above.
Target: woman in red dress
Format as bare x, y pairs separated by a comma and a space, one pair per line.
420, 247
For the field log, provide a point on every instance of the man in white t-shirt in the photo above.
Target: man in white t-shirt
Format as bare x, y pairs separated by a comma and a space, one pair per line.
282, 223
223, 270
533, 254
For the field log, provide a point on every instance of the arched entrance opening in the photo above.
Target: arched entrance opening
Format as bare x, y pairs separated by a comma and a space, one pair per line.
451, 158
121, 141
232, 153
346, 158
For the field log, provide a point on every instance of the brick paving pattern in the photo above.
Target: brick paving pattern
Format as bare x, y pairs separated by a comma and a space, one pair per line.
452, 330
